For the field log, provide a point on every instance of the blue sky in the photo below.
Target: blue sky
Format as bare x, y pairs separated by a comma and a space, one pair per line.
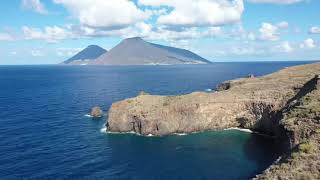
50, 31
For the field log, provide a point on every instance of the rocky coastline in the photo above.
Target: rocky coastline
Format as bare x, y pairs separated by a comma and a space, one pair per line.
284, 104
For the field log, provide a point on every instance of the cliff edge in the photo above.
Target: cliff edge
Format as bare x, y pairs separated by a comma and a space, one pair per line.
285, 104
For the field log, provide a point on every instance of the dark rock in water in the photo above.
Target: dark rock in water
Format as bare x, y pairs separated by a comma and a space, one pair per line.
96, 112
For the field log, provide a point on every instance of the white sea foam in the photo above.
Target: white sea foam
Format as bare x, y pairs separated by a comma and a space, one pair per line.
130, 132
103, 130
180, 134
88, 115
240, 129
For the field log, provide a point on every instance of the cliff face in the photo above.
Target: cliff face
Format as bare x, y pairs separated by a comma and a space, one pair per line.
285, 104
248, 103
301, 121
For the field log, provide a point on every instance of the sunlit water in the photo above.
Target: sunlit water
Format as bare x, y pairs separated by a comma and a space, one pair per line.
44, 133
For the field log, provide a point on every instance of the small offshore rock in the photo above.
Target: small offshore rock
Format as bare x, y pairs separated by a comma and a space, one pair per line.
96, 112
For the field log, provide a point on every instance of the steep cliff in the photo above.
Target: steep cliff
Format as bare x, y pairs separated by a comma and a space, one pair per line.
285, 104
301, 121
249, 103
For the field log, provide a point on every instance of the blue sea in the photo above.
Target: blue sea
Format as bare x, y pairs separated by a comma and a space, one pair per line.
44, 133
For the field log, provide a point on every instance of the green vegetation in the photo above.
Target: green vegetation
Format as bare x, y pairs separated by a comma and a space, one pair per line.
306, 147
295, 155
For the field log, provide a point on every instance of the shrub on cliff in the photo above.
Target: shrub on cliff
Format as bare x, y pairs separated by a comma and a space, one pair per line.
306, 147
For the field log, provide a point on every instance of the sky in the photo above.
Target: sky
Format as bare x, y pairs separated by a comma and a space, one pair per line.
51, 31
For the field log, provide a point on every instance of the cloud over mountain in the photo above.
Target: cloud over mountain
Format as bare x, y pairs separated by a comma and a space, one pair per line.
104, 13
192, 13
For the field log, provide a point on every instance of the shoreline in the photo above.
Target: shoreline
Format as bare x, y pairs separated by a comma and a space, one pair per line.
266, 105
105, 131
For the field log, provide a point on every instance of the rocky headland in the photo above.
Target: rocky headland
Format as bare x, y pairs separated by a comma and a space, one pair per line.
284, 104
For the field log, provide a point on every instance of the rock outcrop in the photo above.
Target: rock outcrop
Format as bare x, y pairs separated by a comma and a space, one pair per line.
248, 102
96, 112
284, 104
301, 122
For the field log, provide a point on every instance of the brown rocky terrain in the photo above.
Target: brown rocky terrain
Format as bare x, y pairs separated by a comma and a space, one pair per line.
302, 123
285, 104
96, 112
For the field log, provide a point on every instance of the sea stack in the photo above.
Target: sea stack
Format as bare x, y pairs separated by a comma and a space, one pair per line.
96, 112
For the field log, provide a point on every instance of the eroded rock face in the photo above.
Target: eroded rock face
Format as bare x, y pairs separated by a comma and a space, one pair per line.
96, 112
301, 122
248, 103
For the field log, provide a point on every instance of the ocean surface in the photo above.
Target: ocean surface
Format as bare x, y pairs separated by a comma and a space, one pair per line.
44, 133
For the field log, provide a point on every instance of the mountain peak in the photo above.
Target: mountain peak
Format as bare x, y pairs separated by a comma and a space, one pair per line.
94, 46
134, 39
136, 51
89, 53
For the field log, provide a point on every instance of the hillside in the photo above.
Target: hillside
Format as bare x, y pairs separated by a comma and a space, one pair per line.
86, 56
136, 51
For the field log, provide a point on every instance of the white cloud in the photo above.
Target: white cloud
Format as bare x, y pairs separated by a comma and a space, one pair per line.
13, 53
283, 24
148, 32
37, 53
276, 1
284, 47
6, 37
34, 5
193, 13
67, 52
240, 33
162, 33
314, 30
249, 50
49, 34
269, 32
308, 43
105, 13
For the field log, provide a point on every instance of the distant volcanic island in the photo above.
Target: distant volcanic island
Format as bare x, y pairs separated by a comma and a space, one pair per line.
135, 51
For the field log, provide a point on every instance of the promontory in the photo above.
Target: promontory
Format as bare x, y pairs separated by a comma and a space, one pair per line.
284, 105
